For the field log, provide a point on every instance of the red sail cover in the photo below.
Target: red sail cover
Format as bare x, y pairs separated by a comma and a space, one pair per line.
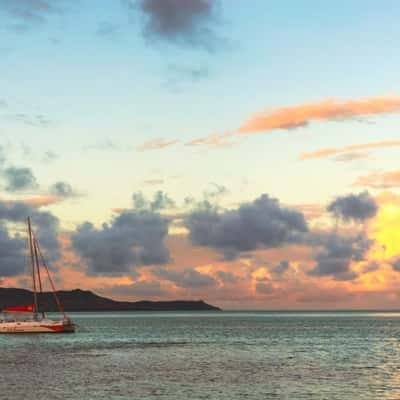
27, 308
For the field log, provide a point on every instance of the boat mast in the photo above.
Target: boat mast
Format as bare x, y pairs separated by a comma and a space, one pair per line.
32, 264
57, 299
38, 274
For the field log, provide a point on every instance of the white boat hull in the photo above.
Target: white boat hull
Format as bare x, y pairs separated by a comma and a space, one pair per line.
40, 326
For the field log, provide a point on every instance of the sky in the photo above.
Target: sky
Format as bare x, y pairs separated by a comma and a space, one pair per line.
243, 152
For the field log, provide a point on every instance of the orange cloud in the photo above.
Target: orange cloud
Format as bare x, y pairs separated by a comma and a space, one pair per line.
42, 201
328, 110
156, 144
333, 151
214, 140
380, 180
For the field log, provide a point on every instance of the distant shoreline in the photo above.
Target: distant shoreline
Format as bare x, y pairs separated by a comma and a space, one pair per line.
86, 301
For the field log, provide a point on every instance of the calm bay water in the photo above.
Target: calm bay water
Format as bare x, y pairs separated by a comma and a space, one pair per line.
240, 355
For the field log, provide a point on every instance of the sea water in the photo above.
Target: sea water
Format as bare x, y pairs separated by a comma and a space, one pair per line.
214, 355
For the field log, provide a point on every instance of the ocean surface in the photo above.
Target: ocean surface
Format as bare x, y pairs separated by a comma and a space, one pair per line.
221, 355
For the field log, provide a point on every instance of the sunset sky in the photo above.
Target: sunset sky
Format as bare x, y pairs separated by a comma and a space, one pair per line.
244, 152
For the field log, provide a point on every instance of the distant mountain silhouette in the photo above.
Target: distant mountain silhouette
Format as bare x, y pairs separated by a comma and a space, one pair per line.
84, 300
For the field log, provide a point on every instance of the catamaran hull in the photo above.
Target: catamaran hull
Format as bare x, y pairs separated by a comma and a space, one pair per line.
37, 327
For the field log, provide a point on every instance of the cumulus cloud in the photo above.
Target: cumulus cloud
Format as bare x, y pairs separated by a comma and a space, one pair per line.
227, 277
262, 223
45, 224
396, 264
337, 254
12, 256
281, 268
140, 289
380, 180
357, 150
160, 201
19, 178
132, 239
188, 23
354, 207
62, 189
188, 278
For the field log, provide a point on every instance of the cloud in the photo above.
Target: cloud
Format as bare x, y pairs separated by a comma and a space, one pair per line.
45, 224
396, 264
12, 257
298, 116
41, 201
264, 288
262, 223
329, 110
354, 207
188, 278
107, 30
186, 23
348, 153
19, 178
28, 11
311, 211
160, 201
49, 156
380, 180
156, 144
140, 289
215, 140
38, 120
153, 182
227, 277
348, 157
62, 189
106, 145
178, 75
131, 239
281, 268
337, 254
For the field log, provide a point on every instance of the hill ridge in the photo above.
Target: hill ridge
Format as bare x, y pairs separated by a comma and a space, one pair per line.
86, 300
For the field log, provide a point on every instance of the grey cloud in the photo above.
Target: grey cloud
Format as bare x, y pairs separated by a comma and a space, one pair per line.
189, 23
281, 268
188, 278
141, 289
49, 156
45, 224
396, 264
337, 253
262, 223
12, 257
133, 238
160, 201
19, 178
62, 189
264, 288
227, 277
354, 207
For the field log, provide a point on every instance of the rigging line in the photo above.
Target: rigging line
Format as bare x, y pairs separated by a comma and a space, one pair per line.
58, 302
38, 274
33, 264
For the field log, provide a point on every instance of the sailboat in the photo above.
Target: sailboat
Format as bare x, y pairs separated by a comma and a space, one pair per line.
31, 318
